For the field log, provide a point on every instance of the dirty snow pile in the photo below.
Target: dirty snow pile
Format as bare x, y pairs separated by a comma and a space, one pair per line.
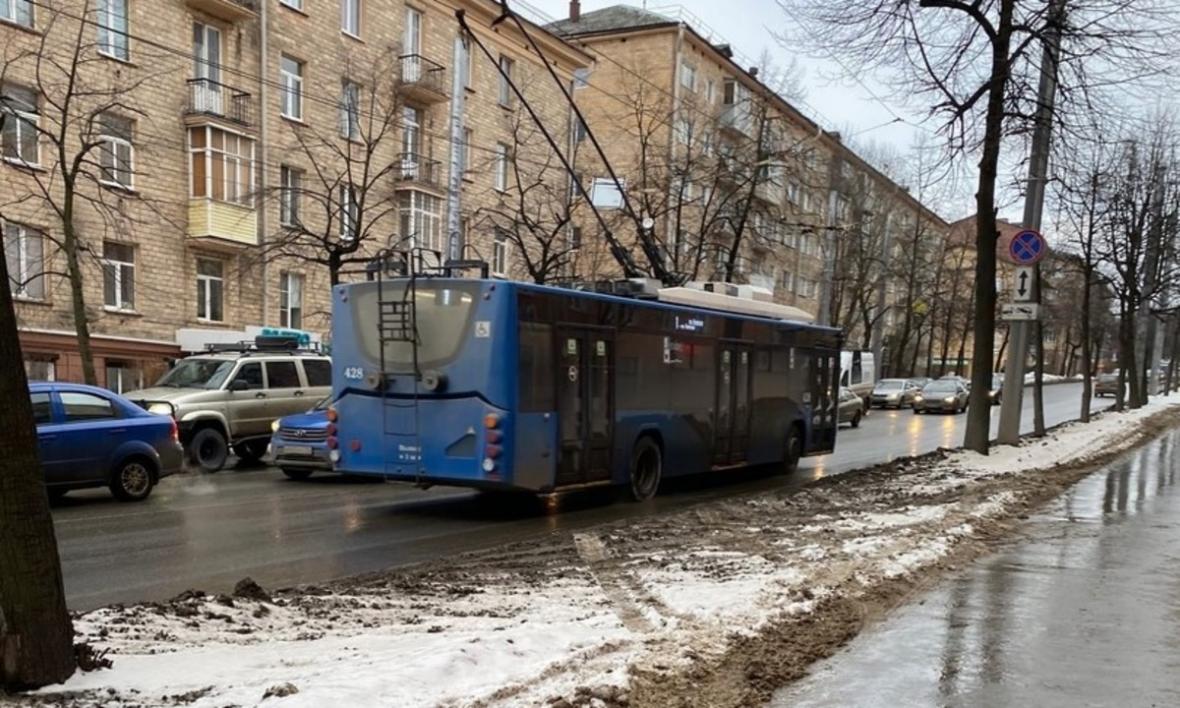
568, 620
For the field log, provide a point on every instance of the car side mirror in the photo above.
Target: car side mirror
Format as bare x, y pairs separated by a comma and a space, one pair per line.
239, 385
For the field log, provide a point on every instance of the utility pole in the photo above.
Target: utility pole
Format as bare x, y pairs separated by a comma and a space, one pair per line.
1012, 400
877, 344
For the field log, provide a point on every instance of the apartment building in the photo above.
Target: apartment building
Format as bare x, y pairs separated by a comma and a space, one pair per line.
737, 182
225, 160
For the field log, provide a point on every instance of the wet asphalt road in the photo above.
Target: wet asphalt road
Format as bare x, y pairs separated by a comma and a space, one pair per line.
1084, 612
209, 531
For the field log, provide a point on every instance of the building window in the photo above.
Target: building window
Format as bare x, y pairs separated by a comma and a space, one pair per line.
575, 238
411, 133
290, 187
39, 369
350, 17
112, 28
122, 377
506, 66
350, 110
500, 254
465, 150
294, 4
291, 300
688, 76
786, 281
501, 174
710, 91
210, 290
291, 79
421, 220
581, 78
17, 11
118, 275
24, 251
18, 105
683, 130
115, 152
605, 194
349, 212
222, 165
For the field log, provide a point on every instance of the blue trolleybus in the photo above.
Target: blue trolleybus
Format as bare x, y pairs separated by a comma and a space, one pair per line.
514, 386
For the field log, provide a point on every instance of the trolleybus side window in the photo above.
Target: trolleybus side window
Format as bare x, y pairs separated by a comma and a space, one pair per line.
536, 367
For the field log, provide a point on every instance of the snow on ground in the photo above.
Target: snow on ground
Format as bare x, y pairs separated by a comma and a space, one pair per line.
564, 621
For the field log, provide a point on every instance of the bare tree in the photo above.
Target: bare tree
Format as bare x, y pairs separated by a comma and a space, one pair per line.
975, 66
64, 100
337, 204
36, 635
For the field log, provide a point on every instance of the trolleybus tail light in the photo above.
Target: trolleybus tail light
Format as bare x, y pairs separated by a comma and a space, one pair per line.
333, 443
332, 429
495, 436
491, 421
333, 416
492, 451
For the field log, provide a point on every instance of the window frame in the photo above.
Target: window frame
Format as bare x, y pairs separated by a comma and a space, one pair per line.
500, 173
242, 162
291, 91
121, 271
9, 104
350, 109
607, 182
290, 189
293, 4
205, 297
504, 95
291, 315
14, 18
688, 76
420, 219
109, 145
500, 246
109, 44
20, 281
350, 10
349, 210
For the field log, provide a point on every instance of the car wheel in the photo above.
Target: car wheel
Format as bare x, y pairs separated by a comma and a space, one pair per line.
917, 411
856, 420
250, 451
209, 449
133, 480
647, 466
297, 473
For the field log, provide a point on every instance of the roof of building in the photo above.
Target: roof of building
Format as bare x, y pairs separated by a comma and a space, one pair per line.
610, 19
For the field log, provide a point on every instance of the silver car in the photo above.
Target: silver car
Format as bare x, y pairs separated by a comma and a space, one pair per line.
227, 400
944, 396
893, 393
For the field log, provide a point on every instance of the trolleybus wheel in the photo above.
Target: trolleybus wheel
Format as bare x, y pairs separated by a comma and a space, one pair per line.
793, 450
646, 468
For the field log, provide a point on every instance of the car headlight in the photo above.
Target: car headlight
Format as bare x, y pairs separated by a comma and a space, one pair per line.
918, 398
949, 399
274, 425
160, 408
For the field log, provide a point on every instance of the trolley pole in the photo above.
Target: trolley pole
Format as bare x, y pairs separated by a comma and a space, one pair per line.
1034, 199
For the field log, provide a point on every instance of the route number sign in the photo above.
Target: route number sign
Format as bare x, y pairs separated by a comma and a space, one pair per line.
1027, 247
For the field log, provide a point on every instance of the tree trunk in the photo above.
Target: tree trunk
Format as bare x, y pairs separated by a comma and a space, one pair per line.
979, 412
77, 292
36, 634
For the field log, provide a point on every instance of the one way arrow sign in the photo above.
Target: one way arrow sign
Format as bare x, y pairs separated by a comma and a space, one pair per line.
1023, 284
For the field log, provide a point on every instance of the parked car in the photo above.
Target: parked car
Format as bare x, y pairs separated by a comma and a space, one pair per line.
90, 437
943, 396
893, 393
851, 409
920, 381
229, 397
858, 372
996, 393
962, 381
299, 446
1107, 384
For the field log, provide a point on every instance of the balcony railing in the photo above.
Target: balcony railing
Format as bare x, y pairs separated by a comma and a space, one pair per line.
229, 10
418, 169
736, 116
212, 98
422, 79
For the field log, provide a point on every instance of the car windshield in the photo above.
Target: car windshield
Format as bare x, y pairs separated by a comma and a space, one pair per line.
197, 373
941, 387
889, 385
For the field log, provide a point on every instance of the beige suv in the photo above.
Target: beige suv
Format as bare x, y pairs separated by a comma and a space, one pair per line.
227, 400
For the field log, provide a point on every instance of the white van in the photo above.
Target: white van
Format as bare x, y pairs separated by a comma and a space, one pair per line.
858, 373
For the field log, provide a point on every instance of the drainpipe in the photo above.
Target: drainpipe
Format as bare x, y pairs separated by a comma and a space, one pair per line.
670, 235
263, 149
455, 246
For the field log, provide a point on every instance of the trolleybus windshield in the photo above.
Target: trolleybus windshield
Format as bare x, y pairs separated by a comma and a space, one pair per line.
443, 314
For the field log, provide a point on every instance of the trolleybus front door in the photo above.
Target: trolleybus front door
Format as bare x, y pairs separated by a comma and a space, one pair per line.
731, 438
585, 403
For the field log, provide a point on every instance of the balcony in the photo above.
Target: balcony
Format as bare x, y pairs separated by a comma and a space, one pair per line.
212, 99
423, 81
419, 172
735, 119
222, 225
228, 10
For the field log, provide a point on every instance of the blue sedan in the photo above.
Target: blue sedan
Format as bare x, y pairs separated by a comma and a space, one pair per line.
90, 437
299, 446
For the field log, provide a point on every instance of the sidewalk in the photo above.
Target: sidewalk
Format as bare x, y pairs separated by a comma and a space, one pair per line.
1084, 611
